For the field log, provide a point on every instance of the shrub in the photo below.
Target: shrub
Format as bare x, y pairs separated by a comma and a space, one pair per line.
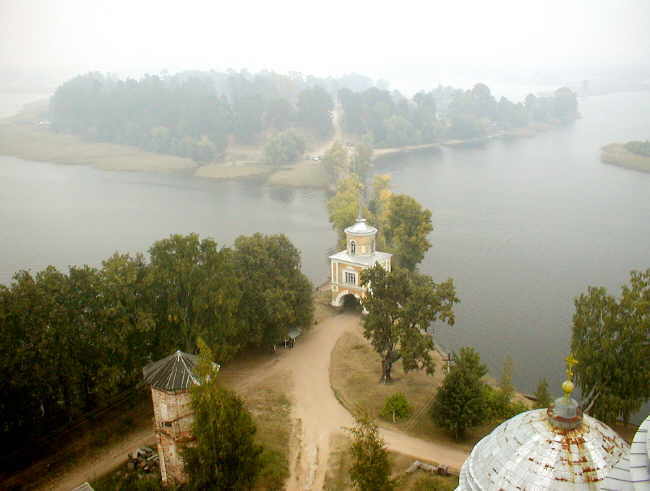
397, 407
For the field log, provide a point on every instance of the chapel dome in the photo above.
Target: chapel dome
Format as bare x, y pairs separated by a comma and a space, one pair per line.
559, 448
361, 228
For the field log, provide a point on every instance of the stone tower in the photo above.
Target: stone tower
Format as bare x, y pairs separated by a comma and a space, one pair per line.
360, 254
171, 379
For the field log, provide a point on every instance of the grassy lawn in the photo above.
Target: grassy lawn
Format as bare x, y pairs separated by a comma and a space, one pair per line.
232, 170
354, 375
338, 475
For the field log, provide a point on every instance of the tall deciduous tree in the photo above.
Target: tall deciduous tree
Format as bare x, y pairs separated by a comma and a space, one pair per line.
460, 402
276, 294
371, 468
611, 340
406, 230
196, 292
401, 305
225, 455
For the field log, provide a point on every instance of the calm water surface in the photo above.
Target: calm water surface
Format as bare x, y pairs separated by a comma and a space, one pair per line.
522, 226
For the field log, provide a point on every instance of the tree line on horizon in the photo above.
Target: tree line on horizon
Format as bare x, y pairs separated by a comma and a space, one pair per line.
197, 114
70, 342
389, 119
192, 114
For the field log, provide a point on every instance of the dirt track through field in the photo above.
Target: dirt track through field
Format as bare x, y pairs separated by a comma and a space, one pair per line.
317, 412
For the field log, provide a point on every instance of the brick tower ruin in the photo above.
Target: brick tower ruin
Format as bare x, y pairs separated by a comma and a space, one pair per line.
171, 379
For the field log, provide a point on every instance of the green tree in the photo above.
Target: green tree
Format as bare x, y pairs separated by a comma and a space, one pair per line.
285, 147
406, 230
542, 395
343, 207
225, 455
610, 340
196, 293
505, 381
401, 305
460, 402
276, 295
371, 468
469, 359
361, 161
336, 163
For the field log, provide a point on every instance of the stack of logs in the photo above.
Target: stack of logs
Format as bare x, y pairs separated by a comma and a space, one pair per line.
143, 459
441, 470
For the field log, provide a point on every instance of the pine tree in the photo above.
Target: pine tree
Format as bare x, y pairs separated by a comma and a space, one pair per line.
461, 402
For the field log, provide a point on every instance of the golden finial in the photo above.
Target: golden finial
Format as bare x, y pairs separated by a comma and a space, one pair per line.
567, 385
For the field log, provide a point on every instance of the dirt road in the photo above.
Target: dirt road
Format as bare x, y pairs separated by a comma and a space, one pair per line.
320, 414
317, 413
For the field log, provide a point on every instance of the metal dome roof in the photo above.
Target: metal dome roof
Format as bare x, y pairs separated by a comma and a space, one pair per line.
361, 227
633, 471
530, 451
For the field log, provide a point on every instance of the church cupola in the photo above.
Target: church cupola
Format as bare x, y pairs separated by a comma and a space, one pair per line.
360, 238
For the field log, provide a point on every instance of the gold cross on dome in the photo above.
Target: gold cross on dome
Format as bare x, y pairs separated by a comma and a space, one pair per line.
570, 362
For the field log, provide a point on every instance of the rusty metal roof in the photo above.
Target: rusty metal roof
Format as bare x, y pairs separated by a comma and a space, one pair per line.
174, 373
527, 452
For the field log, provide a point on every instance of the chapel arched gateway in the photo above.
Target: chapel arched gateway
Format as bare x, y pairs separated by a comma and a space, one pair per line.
360, 254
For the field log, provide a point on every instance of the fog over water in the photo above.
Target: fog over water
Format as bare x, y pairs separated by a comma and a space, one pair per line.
522, 226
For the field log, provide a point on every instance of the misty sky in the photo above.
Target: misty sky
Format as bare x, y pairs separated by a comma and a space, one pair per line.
406, 42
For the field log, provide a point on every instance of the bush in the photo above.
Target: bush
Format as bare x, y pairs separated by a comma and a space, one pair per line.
285, 147
500, 406
397, 407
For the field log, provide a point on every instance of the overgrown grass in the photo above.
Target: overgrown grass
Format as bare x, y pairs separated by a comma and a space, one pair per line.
268, 401
354, 375
338, 474
306, 173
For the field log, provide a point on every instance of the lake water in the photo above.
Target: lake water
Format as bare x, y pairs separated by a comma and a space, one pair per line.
522, 226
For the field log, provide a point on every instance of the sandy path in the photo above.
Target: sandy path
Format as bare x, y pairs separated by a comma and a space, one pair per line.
91, 468
320, 414
316, 410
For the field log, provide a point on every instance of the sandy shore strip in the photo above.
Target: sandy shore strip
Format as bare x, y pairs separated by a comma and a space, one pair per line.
617, 154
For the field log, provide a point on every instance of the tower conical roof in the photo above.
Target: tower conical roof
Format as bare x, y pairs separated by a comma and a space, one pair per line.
173, 373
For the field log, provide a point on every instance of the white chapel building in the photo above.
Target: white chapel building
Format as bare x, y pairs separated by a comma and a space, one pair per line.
360, 254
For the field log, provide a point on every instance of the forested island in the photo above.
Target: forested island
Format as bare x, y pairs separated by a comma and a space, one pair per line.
238, 124
633, 155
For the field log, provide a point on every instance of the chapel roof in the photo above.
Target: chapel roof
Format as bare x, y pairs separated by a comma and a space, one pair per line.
361, 227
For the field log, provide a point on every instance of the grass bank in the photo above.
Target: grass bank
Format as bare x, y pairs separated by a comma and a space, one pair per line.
22, 136
617, 154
